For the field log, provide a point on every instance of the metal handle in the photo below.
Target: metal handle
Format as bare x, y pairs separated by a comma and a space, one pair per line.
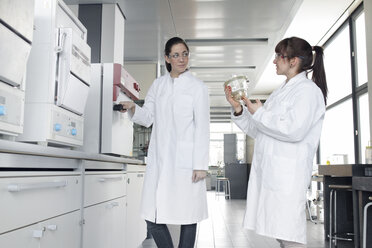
38, 234
139, 175
104, 179
18, 187
59, 49
112, 205
79, 54
52, 227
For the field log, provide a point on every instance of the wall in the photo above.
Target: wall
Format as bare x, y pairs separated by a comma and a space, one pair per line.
144, 73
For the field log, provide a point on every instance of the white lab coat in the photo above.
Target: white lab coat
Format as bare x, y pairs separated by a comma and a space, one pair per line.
179, 144
286, 132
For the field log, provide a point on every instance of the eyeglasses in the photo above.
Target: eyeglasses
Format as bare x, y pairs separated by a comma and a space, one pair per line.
177, 55
279, 55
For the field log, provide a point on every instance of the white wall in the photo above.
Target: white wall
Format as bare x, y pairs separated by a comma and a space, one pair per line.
144, 73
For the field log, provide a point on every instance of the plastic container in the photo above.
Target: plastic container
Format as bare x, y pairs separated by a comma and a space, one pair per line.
369, 153
239, 87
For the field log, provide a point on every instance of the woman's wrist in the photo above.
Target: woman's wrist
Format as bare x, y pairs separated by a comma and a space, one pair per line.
238, 110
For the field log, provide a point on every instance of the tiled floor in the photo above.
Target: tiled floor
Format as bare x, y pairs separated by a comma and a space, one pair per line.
223, 228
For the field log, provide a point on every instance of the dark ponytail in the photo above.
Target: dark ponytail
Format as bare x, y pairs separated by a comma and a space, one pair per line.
168, 47
297, 47
319, 76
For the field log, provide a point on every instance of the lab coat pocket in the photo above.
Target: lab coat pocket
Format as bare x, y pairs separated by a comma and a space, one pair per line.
184, 155
280, 172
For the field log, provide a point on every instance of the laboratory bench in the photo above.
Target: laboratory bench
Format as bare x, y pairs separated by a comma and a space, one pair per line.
349, 205
53, 195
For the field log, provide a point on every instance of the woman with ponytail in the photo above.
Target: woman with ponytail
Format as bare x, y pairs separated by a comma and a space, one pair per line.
286, 130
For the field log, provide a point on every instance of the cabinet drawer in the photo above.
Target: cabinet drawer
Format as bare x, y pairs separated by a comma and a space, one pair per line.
62, 231
105, 224
103, 187
28, 200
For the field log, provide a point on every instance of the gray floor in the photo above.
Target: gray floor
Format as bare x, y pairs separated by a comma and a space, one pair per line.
223, 228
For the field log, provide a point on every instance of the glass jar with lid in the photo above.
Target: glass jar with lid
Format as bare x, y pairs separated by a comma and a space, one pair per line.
239, 87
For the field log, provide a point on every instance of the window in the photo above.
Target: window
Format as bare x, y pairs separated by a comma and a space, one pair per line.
364, 124
360, 30
347, 111
216, 149
338, 122
338, 67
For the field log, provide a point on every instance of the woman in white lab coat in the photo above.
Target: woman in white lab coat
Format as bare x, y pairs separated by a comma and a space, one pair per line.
177, 105
286, 130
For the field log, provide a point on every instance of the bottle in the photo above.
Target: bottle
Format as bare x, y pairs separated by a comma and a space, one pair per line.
369, 153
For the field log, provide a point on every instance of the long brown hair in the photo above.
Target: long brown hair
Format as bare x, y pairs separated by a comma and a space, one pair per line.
168, 47
297, 47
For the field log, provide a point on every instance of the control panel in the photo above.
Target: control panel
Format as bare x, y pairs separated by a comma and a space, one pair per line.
66, 127
11, 109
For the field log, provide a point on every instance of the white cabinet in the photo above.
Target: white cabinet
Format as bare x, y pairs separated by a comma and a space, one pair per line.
105, 225
30, 199
63, 231
136, 226
104, 210
60, 232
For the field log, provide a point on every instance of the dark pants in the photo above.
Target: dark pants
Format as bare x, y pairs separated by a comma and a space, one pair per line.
163, 239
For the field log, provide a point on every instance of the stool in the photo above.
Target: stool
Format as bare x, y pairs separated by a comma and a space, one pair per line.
308, 207
334, 236
226, 192
365, 222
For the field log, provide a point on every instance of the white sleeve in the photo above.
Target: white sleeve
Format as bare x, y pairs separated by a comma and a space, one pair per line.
245, 122
292, 122
201, 134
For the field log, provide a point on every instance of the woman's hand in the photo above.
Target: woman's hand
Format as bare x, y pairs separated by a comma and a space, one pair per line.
128, 106
236, 105
252, 107
198, 175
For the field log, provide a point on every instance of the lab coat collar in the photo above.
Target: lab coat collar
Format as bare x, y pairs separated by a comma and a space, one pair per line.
300, 76
186, 73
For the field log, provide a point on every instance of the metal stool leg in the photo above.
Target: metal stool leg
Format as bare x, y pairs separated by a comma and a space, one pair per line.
365, 224
309, 211
217, 184
330, 218
228, 182
335, 218
227, 192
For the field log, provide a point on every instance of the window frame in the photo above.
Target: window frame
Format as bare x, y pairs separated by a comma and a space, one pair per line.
356, 91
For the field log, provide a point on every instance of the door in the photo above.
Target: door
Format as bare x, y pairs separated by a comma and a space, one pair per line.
136, 226
104, 224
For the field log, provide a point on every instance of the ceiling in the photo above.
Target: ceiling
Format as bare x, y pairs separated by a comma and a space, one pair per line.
226, 37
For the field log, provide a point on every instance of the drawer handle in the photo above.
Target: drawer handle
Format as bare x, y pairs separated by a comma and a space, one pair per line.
104, 179
139, 175
38, 234
112, 205
18, 187
52, 227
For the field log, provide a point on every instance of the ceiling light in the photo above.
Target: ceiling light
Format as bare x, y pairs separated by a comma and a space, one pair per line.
222, 67
208, 55
226, 42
